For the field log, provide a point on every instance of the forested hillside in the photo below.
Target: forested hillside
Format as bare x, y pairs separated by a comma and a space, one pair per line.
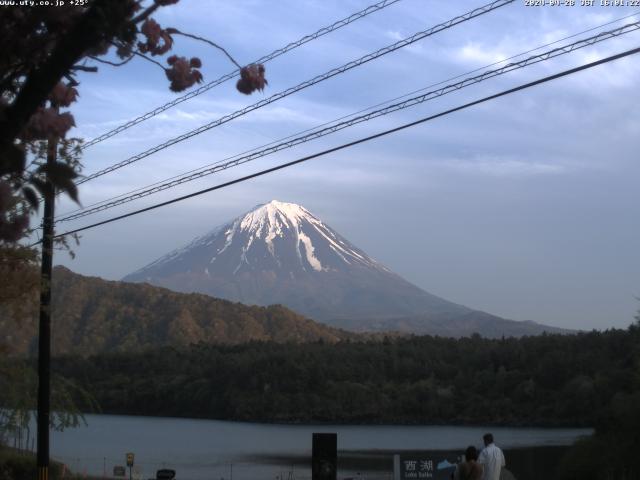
544, 380
93, 315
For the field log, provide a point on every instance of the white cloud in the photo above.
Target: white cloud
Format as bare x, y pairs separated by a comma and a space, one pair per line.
477, 53
394, 35
502, 167
415, 48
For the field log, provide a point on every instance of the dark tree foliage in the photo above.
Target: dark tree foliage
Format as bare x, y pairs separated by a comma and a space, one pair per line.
612, 452
43, 49
549, 380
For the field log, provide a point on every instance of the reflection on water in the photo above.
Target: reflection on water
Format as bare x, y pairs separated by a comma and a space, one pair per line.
208, 449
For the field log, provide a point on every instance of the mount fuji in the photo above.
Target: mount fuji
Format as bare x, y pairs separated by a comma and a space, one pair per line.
280, 253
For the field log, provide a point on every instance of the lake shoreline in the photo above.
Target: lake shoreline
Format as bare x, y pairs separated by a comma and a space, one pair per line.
294, 422
204, 449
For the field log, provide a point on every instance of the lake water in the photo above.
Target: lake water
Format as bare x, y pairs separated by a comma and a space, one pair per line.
209, 449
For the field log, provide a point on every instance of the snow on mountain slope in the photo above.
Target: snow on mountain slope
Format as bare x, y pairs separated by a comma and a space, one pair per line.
279, 228
281, 253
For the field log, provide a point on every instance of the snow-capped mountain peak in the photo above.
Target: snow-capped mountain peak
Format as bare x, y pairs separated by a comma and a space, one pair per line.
276, 219
273, 220
277, 236
281, 253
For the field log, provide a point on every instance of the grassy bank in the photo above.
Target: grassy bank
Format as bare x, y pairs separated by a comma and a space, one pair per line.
20, 465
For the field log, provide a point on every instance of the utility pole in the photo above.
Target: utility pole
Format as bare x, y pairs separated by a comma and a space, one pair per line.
44, 338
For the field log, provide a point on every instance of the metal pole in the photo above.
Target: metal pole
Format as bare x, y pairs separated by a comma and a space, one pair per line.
44, 339
396, 467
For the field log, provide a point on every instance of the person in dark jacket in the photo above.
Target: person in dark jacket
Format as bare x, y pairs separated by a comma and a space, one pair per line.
470, 469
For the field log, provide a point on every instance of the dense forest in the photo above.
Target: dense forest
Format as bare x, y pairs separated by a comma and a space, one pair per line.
93, 315
549, 380
588, 379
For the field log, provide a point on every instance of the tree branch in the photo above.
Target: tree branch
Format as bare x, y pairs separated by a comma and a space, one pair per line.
101, 22
72, 81
196, 37
133, 54
144, 15
113, 64
82, 68
149, 60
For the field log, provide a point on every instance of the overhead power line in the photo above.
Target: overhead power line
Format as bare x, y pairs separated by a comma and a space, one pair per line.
361, 140
321, 132
386, 102
208, 86
331, 73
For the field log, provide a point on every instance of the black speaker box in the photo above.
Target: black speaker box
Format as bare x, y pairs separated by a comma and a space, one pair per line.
324, 461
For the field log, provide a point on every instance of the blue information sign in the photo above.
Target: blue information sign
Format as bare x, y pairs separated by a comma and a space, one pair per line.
425, 467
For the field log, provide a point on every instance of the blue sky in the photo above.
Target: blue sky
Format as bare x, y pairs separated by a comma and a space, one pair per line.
526, 207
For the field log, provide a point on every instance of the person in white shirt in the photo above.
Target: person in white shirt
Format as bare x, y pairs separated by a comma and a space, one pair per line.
491, 458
